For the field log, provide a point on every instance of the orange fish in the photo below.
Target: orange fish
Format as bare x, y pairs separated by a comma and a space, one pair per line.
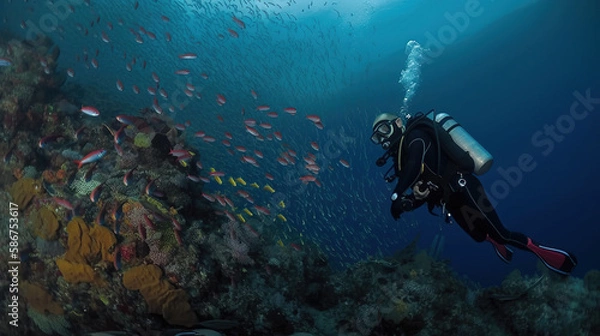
262, 210
290, 110
233, 33
314, 118
182, 72
239, 22
252, 131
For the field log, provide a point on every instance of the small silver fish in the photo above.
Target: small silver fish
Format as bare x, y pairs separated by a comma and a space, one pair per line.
5, 62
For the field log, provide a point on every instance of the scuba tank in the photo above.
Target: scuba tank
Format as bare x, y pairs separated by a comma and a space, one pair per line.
482, 159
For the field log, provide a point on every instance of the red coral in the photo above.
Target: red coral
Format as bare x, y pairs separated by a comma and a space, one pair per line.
128, 252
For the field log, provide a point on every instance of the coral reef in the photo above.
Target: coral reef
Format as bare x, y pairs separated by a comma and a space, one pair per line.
45, 223
49, 323
86, 247
172, 258
83, 188
43, 310
31, 78
24, 190
161, 297
40, 300
142, 140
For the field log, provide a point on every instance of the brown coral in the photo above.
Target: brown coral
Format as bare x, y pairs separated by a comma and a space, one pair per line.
86, 246
76, 273
18, 173
23, 191
60, 174
54, 177
161, 297
45, 224
39, 299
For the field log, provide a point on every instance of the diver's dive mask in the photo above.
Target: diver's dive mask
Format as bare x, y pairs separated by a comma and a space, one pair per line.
383, 133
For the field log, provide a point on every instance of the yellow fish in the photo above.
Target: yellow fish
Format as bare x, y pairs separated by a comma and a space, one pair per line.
212, 170
280, 243
281, 204
248, 212
255, 185
241, 181
183, 163
282, 217
232, 182
242, 219
218, 179
268, 188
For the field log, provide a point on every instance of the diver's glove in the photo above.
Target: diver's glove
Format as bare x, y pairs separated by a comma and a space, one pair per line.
401, 204
420, 194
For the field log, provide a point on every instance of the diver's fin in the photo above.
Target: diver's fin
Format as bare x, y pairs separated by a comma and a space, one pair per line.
555, 259
501, 250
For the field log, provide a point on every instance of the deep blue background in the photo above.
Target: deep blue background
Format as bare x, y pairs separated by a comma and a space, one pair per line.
511, 72
504, 84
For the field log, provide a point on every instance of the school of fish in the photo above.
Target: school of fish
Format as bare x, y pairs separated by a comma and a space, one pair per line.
266, 149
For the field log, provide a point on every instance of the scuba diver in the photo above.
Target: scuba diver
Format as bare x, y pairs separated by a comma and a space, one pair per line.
437, 159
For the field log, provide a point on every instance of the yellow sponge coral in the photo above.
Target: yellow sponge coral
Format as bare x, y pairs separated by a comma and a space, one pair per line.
45, 224
160, 295
76, 273
86, 246
23, 191
39, 299
142, 140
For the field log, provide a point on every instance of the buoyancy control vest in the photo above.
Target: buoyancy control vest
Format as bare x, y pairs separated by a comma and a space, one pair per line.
453, 140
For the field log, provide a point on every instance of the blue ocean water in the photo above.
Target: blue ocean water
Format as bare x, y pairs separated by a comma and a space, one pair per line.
503, 69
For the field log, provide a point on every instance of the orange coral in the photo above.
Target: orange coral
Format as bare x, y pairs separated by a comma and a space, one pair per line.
45, 224
23, 191
39, 299
61, 174
127, 207
54, 177
86, 246
76, 273
49, 176
18, 173
161, 297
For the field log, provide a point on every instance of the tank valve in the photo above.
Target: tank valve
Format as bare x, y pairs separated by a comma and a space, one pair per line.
462, 182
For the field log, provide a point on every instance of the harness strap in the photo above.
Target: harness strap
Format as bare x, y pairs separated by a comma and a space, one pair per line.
400, 152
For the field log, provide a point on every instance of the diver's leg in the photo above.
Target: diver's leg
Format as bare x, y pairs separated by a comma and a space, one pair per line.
555, 259
473, 220
478, 200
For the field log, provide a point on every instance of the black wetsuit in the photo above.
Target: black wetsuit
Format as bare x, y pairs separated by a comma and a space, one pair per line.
467, 202
468, 205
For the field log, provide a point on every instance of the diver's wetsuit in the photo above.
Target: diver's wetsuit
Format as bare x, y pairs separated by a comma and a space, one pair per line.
477, 220
468, 205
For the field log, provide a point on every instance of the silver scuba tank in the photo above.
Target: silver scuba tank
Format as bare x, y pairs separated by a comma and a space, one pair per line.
482, 159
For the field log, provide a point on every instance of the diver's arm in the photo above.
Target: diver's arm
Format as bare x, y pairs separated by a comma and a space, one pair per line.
415, 151
410, 174
405, 204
